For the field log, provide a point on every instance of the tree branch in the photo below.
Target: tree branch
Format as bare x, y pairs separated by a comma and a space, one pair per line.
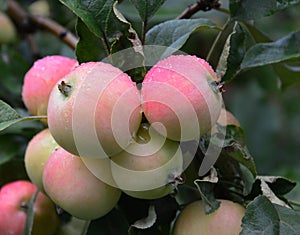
28, 24
200, 5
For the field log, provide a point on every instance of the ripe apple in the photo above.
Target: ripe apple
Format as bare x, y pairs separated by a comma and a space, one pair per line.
148, 168
40, 80
226, 220
180, 92
95, 110
14, 199
7, 29
38, 150
75, 189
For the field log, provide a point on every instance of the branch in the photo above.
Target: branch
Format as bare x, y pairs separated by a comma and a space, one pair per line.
28, 23
200, 5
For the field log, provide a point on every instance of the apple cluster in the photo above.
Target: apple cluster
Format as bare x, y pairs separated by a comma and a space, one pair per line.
107, 135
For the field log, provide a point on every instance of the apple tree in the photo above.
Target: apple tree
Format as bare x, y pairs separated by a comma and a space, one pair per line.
152, 116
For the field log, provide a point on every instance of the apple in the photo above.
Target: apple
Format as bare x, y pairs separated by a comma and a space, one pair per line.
40, 7
38, 150
7, 29
226, 220
40, 80
75, 189
148, 168
180, 92
94, 111
14, 199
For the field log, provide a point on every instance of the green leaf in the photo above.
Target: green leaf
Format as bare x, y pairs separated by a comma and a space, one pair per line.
174, 33
147, 8
98, 17
289, 75
260, 218
289, 220
233, 54
263, 217
236, 148
244, 10
206, 191
89, 46
8, 115
284, 49
30, 214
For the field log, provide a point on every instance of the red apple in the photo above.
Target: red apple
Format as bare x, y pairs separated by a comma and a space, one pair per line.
75, 189
226, 220
40, 80
14, 199
94, 111
38, 150
180, 92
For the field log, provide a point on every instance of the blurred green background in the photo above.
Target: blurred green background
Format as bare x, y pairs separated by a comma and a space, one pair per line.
270, 116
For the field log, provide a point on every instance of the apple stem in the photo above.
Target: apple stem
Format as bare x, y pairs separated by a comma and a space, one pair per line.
65, 88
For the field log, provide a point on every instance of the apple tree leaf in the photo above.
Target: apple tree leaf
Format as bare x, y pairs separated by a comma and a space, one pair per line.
174, 33
89, 46
264, 217
232, 54
99, 18
284, 49
8, 115
147, 8
244, 10
146, 222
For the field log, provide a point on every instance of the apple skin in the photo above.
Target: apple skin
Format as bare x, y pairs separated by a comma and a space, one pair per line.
7, 29
13, 196
75, 189
180, 92
38, 150
226, 220
97, 113
148, 168
40, 80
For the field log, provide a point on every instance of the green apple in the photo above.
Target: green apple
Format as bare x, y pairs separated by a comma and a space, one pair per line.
148, 168
38, 150
226, 220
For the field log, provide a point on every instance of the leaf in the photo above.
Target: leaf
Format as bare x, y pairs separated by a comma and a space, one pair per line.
245, 10
30, 214
236, 148
263, 217
289, 220
147, 222
8, 115
174, 33
233, 54
98, 17
89, 46
260, 218
207, 195
147, 8
133, 37
289, 75
278, 184
284, 49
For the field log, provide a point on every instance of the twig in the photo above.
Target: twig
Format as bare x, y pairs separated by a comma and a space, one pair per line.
28, 23
200, 5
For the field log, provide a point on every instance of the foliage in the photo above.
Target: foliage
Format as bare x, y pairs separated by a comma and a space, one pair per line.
239, 50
